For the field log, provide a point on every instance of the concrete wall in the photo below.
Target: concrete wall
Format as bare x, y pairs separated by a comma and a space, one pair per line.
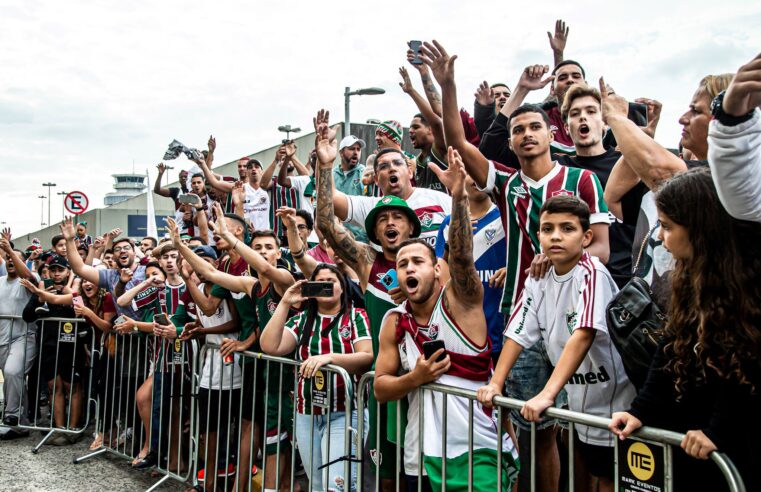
129, 212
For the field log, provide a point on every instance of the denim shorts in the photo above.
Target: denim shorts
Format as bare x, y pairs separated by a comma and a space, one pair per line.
528, 377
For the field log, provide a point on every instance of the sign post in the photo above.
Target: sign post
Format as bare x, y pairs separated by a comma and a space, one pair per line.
76, 202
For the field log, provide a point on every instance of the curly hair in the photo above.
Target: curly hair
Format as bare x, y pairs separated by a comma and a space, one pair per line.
714, 327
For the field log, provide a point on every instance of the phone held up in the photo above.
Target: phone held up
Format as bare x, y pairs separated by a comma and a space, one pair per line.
415, 47
317, 289
430, 348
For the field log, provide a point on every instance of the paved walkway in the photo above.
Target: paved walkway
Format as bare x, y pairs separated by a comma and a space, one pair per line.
52, 469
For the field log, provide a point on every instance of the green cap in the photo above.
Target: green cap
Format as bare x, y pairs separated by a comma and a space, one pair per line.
387, 202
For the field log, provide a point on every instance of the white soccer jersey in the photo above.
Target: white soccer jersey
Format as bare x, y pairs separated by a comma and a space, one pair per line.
430, 206
550, 309
257, 207
214, 374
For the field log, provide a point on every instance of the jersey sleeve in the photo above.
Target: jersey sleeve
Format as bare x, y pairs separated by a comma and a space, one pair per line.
523, 327
590, 190
595, 293
359, 207
361, 326
441, 237
220, 292
294, 325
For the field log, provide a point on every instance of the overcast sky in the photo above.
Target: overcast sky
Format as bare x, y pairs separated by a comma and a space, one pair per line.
89, 87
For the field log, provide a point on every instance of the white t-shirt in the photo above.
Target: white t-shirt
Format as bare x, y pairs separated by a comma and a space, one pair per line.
212, 376
550, 309
257, 207
430, 206
13, 299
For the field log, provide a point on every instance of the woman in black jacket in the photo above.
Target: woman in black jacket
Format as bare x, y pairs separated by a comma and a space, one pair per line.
706, 376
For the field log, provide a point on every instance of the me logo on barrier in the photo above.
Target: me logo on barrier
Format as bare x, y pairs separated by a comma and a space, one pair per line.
641, 461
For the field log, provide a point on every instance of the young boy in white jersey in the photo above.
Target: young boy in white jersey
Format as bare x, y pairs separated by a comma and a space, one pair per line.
566, 311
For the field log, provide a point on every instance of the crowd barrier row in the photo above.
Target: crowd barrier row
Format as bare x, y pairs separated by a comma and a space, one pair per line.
204, 417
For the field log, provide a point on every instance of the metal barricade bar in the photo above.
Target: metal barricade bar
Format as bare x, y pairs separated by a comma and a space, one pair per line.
647, 434
71, 366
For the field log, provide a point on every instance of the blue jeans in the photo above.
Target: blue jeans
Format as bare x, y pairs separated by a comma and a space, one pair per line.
316, 445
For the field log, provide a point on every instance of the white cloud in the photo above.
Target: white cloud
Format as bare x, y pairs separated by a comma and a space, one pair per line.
89, 87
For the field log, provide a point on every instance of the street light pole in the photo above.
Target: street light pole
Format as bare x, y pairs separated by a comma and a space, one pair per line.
368, 91
49, 185
63, 194
42, 210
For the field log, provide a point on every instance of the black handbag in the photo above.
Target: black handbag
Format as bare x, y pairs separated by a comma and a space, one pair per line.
635, 324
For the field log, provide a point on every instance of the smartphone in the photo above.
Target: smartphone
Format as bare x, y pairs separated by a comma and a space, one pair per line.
389, 280
190, 199
77, 301
430, 348
638, 113
121, 319
415, 47
317, 289
161, 319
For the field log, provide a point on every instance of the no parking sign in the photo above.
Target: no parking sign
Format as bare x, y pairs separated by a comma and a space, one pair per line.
76, 202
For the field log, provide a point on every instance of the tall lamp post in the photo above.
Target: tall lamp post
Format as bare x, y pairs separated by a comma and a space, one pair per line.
62, 194
49, 185
368, 91
42, 210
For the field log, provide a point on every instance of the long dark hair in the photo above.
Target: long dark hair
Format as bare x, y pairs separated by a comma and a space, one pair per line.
714, 322
311, 303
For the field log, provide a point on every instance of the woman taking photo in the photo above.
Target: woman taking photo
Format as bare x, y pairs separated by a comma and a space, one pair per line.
706, 375
330, 330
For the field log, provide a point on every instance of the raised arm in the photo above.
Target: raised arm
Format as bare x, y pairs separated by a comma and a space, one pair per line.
280, 277
465, 283
157, 188
425, 108
231, 282
78, 266
557, 42
645, 156
266, 180
359, 257
306, 263
442, 66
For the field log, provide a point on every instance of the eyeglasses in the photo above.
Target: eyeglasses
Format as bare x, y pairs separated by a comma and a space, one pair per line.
118, 249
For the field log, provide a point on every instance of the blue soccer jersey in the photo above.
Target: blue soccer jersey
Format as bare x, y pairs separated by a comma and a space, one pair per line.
490, 254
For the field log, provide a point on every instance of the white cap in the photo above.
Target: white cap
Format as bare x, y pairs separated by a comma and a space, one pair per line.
350, 140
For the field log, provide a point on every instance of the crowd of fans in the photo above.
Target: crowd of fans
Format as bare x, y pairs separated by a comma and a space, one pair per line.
486, 262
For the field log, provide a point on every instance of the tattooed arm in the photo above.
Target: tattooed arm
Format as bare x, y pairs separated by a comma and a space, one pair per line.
465, 292
359, 257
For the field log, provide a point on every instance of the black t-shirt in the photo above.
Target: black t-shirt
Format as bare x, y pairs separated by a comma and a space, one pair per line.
620, 234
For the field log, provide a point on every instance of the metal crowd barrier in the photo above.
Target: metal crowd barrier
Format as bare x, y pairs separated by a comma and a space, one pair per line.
503, 405
263, 376
147, 381
61, 350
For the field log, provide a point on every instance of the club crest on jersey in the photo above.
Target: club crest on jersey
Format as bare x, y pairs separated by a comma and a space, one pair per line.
490, 233
570, 319
562, 193
271, 306
433, 332
426, 219
345, 332
519, 191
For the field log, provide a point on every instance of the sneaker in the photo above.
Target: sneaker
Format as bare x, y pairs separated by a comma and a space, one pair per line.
42, 310
10, 420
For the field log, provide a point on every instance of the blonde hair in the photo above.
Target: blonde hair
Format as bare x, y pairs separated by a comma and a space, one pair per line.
715, 84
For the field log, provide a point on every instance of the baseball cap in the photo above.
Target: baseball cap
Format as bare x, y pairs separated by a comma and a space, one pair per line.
205, 251
58, 261
387, 202
350, 140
